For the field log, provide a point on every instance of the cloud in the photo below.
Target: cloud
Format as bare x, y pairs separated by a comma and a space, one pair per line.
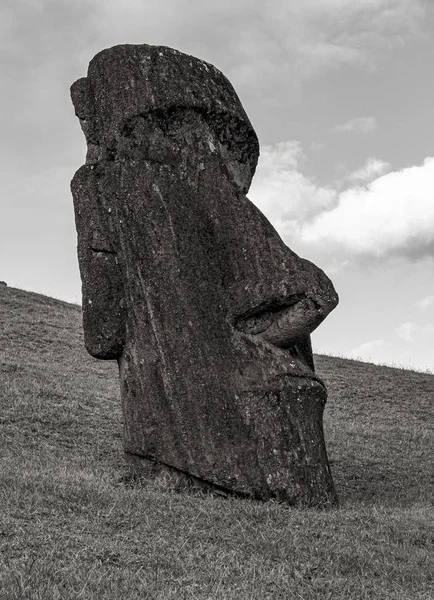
425, 302
358, 32
372, 169
283, 193
392, 215
385, 352
362, 125
406, 331
367, 350
410, 331
267, 45
316, 146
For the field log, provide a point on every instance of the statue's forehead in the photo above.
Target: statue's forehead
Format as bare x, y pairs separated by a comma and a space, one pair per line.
160, 77
129, 80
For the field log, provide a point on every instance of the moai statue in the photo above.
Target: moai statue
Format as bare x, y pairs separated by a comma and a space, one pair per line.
189, 287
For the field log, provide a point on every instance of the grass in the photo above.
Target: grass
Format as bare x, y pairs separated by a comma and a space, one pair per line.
74, 525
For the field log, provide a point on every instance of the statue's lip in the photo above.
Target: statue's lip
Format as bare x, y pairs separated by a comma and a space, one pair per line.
303, 371
307, 375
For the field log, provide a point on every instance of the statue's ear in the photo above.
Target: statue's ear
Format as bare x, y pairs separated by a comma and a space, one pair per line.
102, 288
80, 98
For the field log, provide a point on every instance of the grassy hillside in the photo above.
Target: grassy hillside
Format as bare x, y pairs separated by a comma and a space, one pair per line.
73, 525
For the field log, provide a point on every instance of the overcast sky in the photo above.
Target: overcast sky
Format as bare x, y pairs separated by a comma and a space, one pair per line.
341, 94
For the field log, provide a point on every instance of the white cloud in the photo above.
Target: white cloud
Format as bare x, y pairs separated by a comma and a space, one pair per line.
385, 352
362, 125
366, 351
283, 193
410, 331
393, 215
372, 169
425, 302
406, 331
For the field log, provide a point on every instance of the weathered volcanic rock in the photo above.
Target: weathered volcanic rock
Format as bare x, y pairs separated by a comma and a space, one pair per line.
190, 288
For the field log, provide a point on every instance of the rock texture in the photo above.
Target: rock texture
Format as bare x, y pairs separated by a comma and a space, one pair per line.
190, 288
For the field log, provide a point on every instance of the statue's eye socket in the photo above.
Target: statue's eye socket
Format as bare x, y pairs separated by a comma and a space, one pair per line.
169, 122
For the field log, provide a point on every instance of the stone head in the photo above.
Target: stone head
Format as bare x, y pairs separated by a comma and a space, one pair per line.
187, 284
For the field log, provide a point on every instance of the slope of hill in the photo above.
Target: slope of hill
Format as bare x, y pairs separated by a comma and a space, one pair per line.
74, 525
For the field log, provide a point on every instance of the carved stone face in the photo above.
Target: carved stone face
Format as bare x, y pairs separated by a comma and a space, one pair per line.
188, 285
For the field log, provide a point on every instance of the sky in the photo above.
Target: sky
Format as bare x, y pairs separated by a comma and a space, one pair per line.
341, 95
